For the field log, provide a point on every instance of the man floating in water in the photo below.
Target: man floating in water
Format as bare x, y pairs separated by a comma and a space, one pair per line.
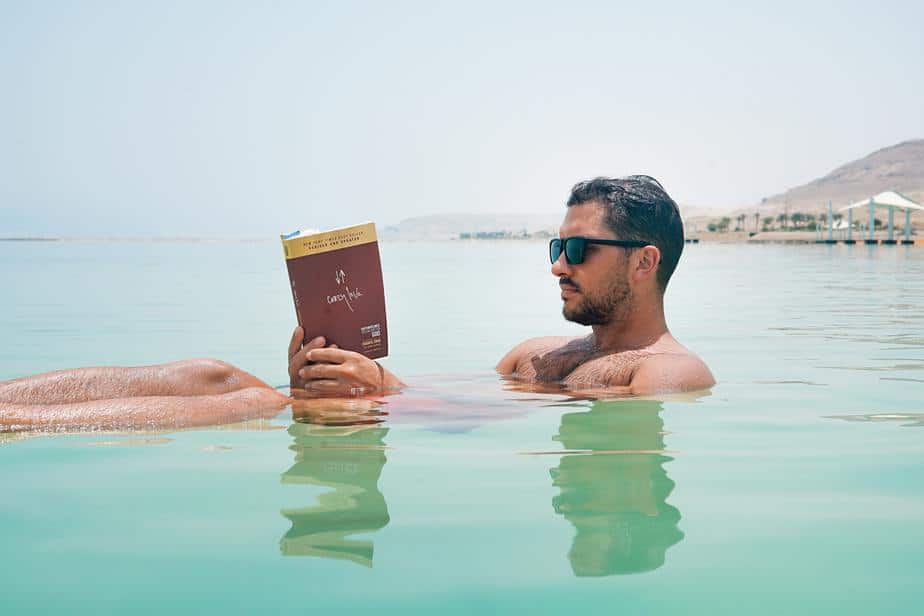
619, 244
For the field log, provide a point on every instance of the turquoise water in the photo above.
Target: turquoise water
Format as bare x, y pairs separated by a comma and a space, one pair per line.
795, 487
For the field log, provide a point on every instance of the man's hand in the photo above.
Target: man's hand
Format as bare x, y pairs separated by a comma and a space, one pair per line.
298, 356
333, 371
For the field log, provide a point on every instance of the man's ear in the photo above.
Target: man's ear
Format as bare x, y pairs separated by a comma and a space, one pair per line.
647, 259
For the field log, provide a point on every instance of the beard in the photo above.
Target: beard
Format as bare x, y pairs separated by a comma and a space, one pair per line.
613, 304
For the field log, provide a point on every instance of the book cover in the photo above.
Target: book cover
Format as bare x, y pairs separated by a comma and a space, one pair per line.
336, 279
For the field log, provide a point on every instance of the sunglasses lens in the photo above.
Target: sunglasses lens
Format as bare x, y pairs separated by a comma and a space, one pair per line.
574, 250
554, 250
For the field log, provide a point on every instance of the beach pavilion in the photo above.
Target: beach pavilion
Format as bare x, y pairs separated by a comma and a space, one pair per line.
889, 200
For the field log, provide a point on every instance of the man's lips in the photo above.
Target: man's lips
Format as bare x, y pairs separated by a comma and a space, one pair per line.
567, 288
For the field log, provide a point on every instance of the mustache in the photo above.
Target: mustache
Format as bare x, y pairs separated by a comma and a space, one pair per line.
564, 281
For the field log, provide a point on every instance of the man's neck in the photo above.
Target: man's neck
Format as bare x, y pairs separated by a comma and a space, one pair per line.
642, 327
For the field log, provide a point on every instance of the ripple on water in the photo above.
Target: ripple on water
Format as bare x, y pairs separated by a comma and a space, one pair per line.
129, 442
915, 420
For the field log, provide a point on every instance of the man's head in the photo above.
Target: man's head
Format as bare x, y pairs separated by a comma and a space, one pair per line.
634, 208
637, 208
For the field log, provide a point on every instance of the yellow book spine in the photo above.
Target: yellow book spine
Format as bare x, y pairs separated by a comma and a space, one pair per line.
326, 241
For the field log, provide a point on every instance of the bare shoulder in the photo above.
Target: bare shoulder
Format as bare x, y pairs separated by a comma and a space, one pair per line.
508, 364
678, 370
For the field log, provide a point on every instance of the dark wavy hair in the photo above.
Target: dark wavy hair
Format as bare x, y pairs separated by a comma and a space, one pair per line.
638, 208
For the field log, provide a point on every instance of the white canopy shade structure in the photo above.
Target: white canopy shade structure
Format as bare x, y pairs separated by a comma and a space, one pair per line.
891, 201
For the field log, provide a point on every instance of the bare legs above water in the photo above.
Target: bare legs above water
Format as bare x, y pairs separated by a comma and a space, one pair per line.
186, 393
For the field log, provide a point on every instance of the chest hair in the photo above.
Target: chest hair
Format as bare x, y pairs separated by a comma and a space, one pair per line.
579, 362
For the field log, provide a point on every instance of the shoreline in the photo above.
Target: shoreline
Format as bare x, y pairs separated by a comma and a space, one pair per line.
733, 237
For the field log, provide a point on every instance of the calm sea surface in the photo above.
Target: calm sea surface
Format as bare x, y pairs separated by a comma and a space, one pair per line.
797, 486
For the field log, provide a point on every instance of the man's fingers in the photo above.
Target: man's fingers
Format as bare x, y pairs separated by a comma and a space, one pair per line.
331, 355
321, 371
315, 343
296, 362
300, 358
298, 334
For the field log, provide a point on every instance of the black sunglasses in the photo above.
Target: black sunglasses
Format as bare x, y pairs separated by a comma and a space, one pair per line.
575, 247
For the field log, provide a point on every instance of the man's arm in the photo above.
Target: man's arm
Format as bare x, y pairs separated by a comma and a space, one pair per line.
509, 363
671, 373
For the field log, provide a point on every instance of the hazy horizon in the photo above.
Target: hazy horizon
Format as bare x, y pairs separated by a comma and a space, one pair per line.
229, 119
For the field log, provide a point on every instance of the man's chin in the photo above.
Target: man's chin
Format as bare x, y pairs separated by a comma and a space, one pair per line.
582, 317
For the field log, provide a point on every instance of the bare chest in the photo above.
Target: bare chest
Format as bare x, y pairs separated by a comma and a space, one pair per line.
574, 365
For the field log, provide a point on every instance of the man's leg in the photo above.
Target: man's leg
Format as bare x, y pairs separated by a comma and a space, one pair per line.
190, 377
145, 413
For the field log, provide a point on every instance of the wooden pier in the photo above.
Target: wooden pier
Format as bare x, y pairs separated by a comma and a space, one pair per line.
874, 242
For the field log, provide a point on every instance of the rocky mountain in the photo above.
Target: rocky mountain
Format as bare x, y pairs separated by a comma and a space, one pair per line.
899, 167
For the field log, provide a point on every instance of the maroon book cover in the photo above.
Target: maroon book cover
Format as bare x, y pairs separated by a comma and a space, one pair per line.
336, 279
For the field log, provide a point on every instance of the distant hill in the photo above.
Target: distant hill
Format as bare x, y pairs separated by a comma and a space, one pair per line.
898, 167
449, 226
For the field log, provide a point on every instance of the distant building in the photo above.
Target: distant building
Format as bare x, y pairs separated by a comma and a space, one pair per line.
521, 234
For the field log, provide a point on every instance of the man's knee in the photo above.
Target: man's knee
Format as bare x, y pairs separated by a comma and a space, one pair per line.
216, 371
212, 375
223, 374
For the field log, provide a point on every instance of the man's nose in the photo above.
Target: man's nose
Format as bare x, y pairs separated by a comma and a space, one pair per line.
561, 267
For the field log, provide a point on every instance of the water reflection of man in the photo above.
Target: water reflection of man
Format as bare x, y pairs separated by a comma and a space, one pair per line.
348, 459
615, 491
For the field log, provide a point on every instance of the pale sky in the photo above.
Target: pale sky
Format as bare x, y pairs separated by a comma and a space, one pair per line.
221, 118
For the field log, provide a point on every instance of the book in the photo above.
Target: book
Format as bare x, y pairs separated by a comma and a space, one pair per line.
336, 280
